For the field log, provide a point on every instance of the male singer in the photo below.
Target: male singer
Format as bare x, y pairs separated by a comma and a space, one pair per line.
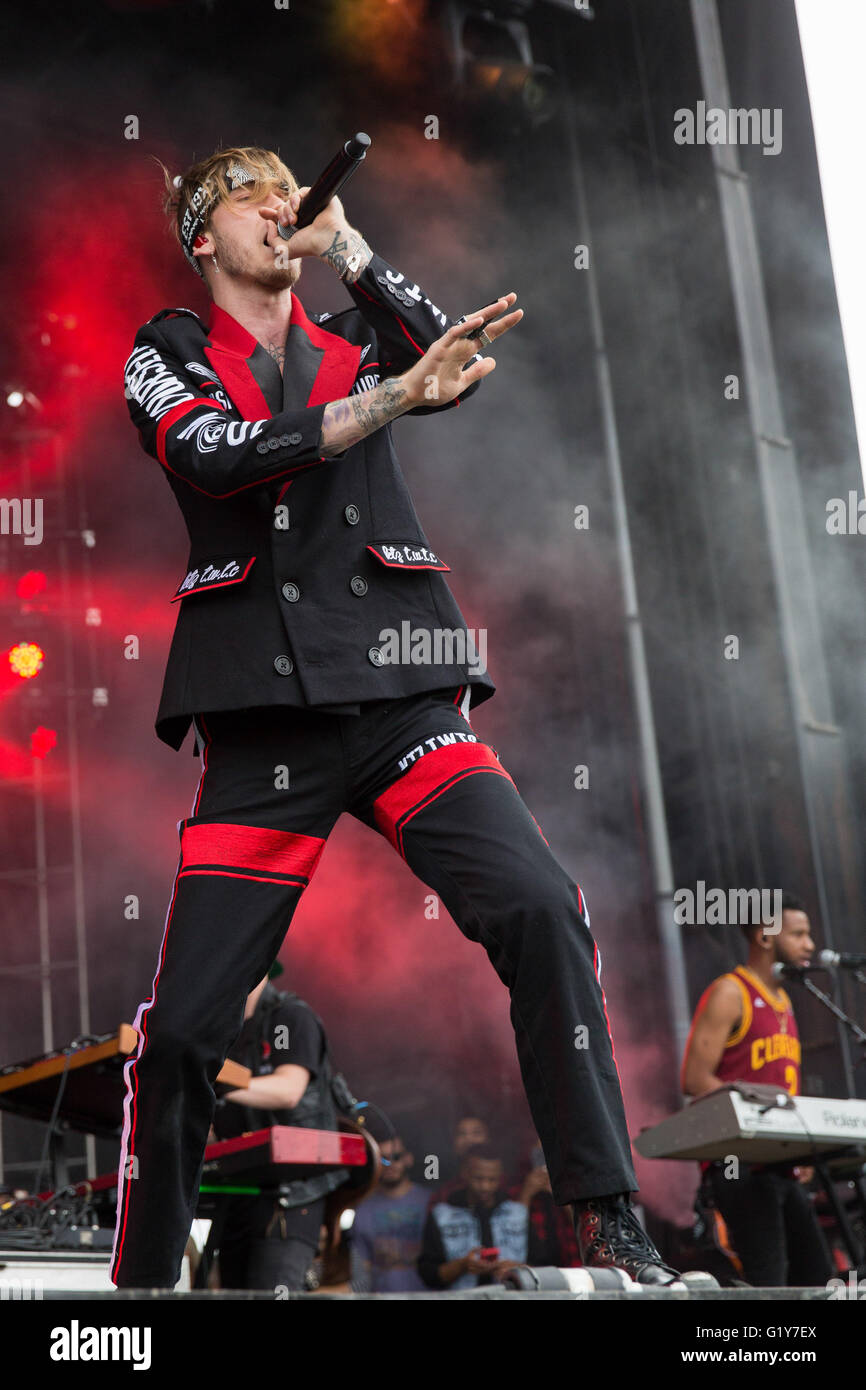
307, 568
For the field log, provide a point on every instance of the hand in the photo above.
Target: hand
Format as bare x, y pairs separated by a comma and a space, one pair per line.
536, 1181
472, 1263
318, 237
438, 376
502, 1267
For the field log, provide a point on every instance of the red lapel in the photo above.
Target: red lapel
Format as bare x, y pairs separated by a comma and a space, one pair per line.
339, 366
230, 345
227, 350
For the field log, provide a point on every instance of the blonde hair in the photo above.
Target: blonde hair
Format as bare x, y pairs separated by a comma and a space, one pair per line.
211, 174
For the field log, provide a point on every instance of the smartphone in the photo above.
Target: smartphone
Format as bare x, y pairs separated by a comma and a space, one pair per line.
490, 1253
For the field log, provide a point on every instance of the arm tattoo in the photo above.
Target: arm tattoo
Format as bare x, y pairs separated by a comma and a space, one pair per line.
346, 422
342, 248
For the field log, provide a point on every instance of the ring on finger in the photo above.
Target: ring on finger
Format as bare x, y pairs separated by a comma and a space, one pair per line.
482, 335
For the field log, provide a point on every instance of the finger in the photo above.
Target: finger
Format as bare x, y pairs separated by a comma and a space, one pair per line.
459, 330
495, 330
457, 343
496, 307
460, 349
491, 310
480, 369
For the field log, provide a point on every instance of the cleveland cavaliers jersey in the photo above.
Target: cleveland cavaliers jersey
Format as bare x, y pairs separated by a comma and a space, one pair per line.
765, 1045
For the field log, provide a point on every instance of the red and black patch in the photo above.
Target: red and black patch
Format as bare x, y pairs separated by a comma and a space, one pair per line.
214, 574
407, 555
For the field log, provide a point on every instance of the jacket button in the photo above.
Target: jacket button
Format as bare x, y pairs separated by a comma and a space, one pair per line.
261, 447
284, 665
291, 593
284, 440
374, 655
359, 585
352, 515
273, 443
295, 437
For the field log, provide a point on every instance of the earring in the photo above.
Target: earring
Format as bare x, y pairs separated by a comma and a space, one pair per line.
215, 266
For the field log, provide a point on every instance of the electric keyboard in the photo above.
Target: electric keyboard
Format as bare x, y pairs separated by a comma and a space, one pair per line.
758, 1124
91, 1077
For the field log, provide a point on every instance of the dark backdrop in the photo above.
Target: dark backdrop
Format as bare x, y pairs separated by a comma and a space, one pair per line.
416, 1016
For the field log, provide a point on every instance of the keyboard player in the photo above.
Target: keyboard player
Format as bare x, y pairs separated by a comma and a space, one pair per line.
744, 1030
265, 1241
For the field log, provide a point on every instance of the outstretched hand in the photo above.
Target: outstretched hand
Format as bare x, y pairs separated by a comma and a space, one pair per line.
439, 376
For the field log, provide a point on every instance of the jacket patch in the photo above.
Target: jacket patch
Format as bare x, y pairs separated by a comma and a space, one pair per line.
214, 574
208, 383
407, 555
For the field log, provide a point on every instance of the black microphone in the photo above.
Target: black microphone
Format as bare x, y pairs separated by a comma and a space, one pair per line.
330, 181
844, 960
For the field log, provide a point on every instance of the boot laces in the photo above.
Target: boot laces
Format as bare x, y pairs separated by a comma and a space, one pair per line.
624, 1235
631, 1233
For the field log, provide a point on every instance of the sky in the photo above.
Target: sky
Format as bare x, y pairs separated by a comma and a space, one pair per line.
833, 37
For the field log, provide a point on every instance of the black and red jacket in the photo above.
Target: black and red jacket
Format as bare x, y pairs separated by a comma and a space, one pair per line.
297, 564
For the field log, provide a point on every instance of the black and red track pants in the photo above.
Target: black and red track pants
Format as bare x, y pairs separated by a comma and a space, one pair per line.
412, 769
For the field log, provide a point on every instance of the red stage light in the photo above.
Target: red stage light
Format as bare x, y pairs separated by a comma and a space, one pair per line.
42, 740
31, 584
26, 659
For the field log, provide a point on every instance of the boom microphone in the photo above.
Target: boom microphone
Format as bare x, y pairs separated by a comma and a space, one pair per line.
843, 960
330, 181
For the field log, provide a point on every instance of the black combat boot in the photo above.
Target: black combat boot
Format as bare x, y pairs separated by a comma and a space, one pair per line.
609, 1234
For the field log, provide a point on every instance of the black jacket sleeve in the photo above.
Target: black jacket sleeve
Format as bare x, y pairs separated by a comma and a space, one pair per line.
214, 450
432, 1254
405, 321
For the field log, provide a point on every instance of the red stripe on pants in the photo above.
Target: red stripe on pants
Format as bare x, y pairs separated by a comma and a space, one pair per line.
250, 847
426, 779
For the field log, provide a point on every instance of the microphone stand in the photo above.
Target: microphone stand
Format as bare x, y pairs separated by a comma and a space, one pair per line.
852, 1026
855, 1247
